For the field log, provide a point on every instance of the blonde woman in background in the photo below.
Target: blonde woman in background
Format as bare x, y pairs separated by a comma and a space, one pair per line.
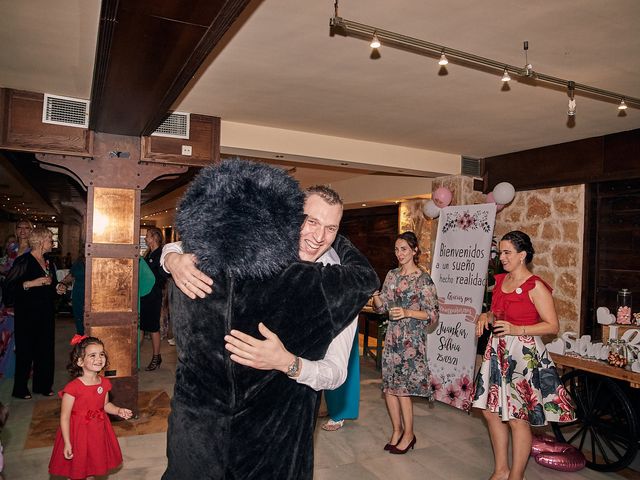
30, 285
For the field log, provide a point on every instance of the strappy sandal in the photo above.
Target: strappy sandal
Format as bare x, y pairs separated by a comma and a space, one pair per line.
332, 425
156, 360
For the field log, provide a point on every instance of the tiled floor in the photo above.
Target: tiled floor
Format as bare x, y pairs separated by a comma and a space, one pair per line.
451, 444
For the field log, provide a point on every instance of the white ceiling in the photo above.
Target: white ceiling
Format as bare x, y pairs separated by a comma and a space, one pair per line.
282, 69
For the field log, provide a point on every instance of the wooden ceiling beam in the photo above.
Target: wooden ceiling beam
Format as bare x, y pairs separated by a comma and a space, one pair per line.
147, 52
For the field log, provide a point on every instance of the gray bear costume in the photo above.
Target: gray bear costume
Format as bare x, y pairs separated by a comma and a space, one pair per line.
242, 220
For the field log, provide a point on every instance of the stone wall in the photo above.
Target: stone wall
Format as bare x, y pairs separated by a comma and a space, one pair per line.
411, 218
554, 219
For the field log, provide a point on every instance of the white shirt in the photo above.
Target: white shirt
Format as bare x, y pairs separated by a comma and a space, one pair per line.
328, 373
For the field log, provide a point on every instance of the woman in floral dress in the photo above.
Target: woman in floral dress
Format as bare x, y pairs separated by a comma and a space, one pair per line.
409, 295
518, 384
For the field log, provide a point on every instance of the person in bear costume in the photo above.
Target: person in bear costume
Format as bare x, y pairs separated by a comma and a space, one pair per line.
242, 221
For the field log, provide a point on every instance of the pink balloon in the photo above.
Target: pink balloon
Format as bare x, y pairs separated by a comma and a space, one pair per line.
557, 455
541, 443
442, 197
490, 199
570, 460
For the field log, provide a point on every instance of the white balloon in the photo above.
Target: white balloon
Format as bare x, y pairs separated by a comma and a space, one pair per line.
503, 193
431, 210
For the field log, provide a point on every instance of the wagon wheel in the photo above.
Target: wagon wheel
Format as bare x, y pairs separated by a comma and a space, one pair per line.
606, 425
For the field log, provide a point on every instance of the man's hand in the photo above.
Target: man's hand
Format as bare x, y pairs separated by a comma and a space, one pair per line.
191, 281
267, 354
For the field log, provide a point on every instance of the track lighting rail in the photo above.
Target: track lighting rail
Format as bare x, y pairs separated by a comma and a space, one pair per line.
349, 28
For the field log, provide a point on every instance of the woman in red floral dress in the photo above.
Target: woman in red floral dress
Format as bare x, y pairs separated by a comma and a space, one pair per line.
518, 384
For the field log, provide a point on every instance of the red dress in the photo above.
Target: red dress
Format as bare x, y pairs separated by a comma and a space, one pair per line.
93, 442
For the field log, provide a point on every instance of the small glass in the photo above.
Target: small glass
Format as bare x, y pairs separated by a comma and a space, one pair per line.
493, 316
618, 356
392, 305
623, 312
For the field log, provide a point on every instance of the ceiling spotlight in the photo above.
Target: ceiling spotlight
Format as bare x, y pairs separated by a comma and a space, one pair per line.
571, 86
375, 43
505, 75
622, 106
443, 59
528, 68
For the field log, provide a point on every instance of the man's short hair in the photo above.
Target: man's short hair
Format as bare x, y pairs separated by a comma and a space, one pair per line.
328, 194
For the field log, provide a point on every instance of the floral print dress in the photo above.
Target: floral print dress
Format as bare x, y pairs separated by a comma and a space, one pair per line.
404, 359
517, 378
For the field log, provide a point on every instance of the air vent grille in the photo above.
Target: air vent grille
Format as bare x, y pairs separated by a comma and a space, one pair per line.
72, 112
471, 167
175, 125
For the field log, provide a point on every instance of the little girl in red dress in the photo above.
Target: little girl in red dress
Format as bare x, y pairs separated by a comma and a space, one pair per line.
85, 444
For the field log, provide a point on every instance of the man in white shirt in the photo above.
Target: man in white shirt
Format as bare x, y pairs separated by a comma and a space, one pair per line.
323, 209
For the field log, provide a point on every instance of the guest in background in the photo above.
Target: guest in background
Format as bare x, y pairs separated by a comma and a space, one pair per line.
30, 283
67, 262
151, 304
7, 344
23, 230
409, 296
75, 279
517, 385
9, 254
15, 245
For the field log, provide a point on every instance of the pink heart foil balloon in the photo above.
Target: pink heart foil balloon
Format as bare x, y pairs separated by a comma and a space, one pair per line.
541, 444
571, 460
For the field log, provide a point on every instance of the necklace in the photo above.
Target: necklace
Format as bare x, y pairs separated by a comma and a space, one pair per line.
517, 281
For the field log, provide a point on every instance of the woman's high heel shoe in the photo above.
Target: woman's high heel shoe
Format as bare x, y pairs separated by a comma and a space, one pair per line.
389, 446
396, 451
156, 360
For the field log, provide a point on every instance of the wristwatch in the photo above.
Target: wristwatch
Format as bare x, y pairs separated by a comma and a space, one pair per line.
292, 371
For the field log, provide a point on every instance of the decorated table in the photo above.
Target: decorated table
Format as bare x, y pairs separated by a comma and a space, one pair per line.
607, 398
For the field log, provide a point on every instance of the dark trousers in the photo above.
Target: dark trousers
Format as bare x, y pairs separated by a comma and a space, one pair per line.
34, 347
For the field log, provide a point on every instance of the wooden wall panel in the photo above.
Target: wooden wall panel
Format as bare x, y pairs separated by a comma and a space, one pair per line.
23, 129
204, 138
113, 216
596, 159
614, 249
373, 231
111, 284
120, 349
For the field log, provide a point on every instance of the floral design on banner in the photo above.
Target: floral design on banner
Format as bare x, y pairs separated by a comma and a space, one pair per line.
466, 221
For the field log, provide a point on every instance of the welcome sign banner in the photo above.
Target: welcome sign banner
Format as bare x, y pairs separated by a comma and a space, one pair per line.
459, 271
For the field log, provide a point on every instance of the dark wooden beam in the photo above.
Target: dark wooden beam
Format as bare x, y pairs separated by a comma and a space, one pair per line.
596, 159
147, 52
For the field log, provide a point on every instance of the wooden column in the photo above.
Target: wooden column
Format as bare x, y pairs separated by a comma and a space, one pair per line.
114, 178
